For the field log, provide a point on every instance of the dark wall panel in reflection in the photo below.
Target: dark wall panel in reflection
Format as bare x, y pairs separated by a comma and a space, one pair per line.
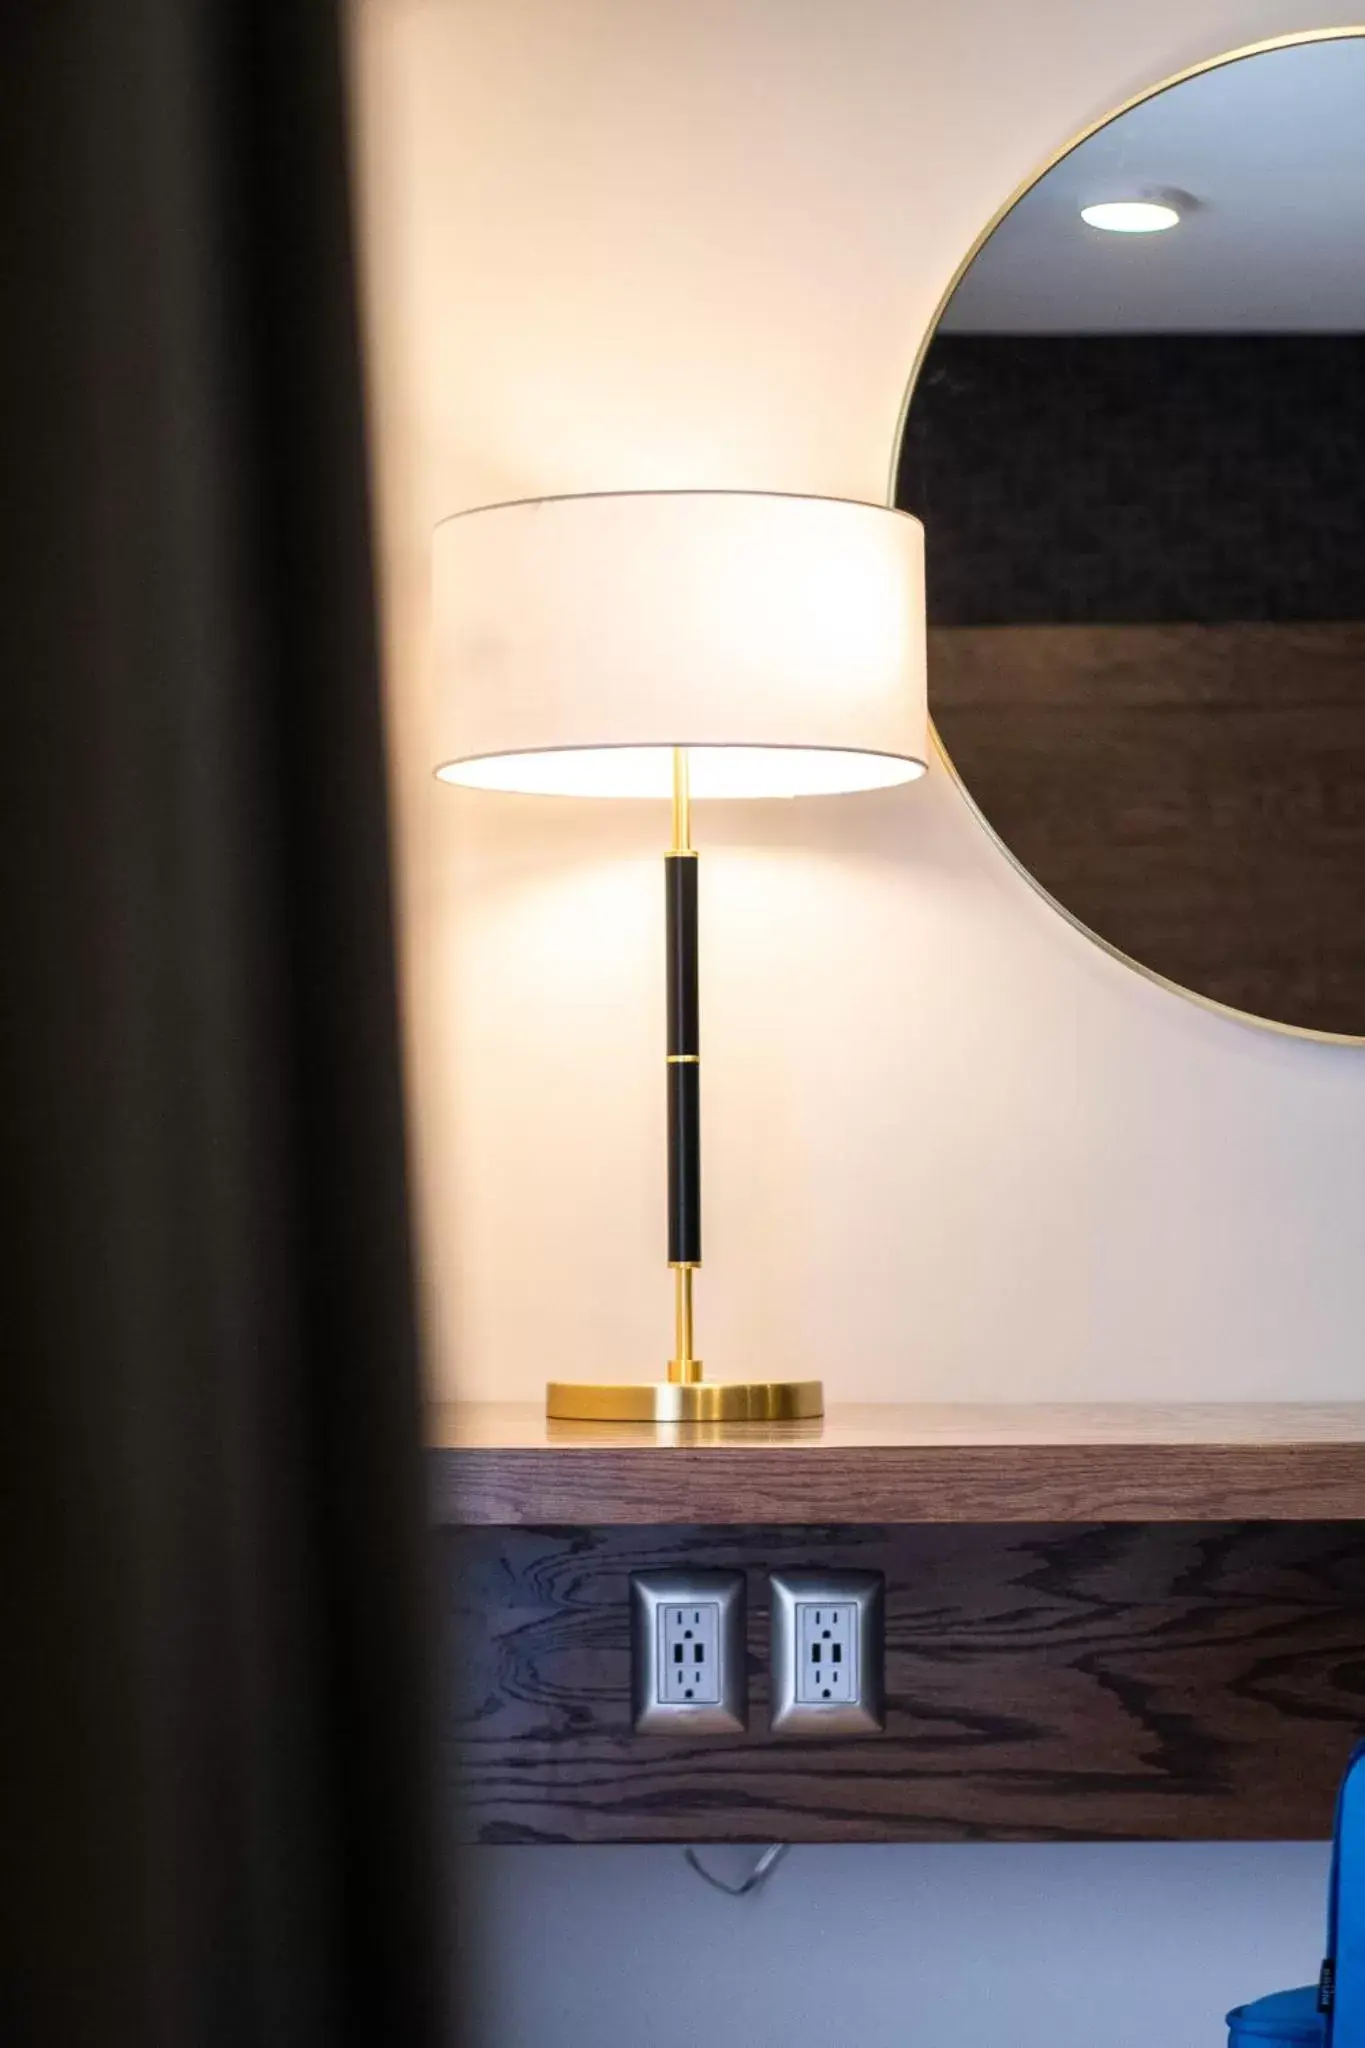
1105, 480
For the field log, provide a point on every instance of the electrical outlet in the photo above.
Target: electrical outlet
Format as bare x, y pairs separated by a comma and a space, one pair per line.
688, 1652
827, 1653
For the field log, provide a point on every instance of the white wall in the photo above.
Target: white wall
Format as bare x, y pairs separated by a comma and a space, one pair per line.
951, 1147
949, 1947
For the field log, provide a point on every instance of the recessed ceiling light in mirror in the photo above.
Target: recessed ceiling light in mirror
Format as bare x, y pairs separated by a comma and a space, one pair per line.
1131, 216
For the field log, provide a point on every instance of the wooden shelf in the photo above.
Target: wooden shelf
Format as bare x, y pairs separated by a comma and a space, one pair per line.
1103, 1622
503, 1464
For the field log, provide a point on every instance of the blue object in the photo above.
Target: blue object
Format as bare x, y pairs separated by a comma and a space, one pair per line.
1289, 2018
1330, 2013
1343, 1973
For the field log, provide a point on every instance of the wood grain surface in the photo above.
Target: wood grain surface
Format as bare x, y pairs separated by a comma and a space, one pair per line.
1044, 1683
502, 1463
1193, 794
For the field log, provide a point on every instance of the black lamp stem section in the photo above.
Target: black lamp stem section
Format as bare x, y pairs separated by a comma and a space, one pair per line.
684, 1063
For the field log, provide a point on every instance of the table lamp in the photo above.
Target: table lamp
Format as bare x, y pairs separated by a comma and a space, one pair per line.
680, 645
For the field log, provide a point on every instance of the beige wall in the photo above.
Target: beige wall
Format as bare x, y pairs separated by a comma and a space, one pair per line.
952, 1149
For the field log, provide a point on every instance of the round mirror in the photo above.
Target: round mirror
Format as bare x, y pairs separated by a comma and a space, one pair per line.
1137, 443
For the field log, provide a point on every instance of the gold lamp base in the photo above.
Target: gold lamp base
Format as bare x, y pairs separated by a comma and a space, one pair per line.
686, 1401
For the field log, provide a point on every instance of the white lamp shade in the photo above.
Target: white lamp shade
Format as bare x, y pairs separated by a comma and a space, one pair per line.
780, 639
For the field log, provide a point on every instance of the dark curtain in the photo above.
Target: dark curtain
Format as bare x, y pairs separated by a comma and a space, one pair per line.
218, 1821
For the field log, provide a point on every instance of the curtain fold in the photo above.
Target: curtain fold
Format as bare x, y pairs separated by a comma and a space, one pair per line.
219, 1824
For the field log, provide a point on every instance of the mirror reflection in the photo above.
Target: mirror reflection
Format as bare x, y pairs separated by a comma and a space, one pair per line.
1137, 442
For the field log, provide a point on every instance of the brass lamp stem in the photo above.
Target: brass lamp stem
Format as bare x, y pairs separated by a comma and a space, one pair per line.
683, 1061
682, 804
684, 1369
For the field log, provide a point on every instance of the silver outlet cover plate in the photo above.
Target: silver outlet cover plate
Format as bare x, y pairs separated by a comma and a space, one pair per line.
794, 1710
718, 1706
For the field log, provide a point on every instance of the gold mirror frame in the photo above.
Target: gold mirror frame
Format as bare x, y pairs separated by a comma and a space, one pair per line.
1260, 49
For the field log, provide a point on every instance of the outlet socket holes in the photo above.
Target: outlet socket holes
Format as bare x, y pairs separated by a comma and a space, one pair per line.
827, 1651
689, 1656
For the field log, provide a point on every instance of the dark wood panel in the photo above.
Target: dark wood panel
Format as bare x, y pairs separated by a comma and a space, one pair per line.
1194, 794
1294, 669
910, 1462
1044, 1683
